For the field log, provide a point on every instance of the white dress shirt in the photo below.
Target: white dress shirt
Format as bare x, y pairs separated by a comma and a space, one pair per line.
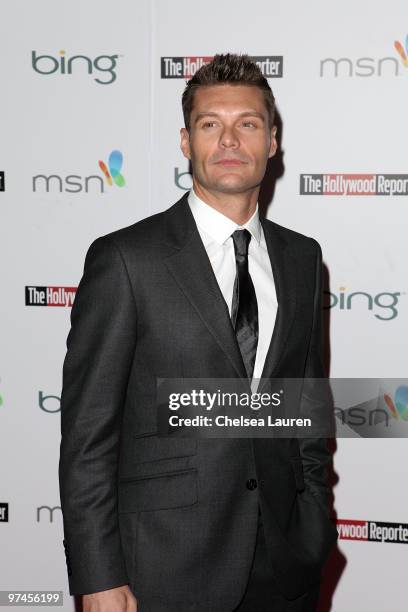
215, 230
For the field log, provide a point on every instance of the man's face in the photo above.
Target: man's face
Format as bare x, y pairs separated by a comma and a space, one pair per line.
230, 141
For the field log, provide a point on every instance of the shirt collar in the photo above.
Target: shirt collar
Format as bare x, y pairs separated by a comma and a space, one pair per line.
216, 224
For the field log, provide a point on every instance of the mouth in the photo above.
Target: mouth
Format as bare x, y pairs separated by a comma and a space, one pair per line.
229, 162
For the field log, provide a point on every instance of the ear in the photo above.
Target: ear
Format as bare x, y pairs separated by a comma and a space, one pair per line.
274, 143
185, 142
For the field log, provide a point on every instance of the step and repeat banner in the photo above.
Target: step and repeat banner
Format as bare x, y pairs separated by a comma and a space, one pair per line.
90, 120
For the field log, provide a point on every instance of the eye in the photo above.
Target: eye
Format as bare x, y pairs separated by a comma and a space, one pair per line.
249, 124
208, 124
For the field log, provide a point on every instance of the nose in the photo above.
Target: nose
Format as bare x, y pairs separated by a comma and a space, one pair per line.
229, 138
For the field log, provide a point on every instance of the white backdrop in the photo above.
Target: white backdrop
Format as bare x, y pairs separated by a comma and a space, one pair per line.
343, 117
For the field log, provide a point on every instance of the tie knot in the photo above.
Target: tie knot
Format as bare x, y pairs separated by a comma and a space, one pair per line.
241, 240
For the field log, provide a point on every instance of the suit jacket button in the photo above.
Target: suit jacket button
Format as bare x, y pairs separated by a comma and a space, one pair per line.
251, 484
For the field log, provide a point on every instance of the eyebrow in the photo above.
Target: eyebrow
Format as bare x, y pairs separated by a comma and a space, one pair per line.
244, 114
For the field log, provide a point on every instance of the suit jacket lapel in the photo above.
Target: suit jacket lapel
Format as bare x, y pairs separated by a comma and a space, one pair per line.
284, 273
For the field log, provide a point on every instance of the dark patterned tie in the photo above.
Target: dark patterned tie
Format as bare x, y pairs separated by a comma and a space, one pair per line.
244, 310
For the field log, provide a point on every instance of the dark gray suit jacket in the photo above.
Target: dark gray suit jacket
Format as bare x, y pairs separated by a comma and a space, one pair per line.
173, 517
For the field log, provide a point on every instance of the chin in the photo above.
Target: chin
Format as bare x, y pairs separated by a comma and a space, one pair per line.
231, 184
233, 187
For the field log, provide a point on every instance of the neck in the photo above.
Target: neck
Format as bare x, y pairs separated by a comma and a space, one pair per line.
236, 206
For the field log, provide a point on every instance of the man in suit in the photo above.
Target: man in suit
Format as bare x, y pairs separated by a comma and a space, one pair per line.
209, 288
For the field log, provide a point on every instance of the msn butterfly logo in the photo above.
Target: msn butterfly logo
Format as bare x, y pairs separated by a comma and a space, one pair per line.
112, 172
403, 53
398, 406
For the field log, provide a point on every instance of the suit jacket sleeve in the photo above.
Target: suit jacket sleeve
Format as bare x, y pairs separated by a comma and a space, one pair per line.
314, 451
100, 346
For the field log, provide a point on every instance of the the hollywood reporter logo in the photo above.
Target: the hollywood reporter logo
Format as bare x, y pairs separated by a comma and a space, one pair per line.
372, 531
4, 512
186, 67
354, 184
49, 296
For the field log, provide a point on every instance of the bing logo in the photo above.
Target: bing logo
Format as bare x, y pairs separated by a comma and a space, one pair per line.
104, 66
403, 53
113, 175
399, 405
